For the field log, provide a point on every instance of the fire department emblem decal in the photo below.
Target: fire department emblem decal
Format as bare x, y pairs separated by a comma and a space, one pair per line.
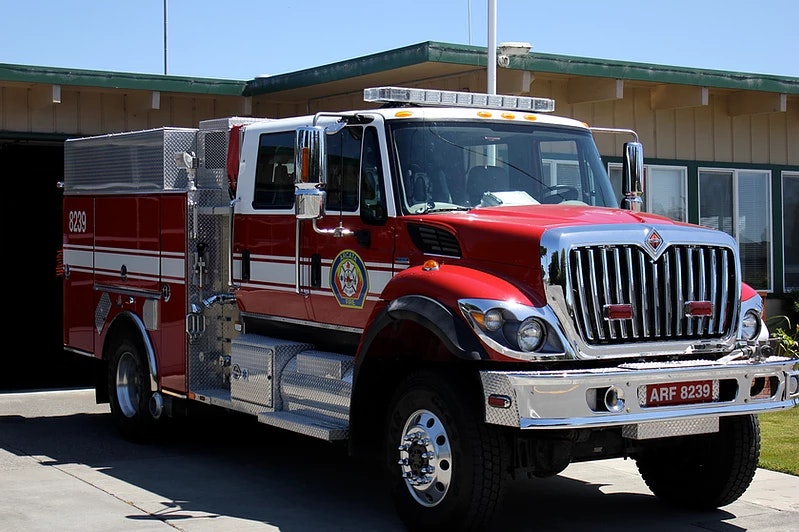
349, 280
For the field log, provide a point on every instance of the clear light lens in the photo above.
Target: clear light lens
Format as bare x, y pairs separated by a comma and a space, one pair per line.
493, 320
530, 335
614, 399
750, 326
456, 98
793, 385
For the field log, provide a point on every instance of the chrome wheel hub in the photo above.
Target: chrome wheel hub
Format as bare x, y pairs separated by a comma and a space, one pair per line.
425, 458
127, 385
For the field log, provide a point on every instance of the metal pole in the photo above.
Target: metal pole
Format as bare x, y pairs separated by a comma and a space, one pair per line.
166, 9
469, 16
492, 47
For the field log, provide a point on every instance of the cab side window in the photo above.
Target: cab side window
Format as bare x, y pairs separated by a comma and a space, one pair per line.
373, 193
274, 174
355, 174
343, 167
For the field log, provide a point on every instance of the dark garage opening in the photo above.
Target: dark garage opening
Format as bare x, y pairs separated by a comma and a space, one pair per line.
37, 360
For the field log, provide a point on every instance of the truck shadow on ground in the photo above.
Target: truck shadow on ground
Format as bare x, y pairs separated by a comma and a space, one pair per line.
228, 466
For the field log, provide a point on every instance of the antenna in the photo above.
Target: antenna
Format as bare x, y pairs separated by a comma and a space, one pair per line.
166, 9
469, 19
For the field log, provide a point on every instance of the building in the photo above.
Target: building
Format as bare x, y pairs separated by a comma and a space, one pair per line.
722, 148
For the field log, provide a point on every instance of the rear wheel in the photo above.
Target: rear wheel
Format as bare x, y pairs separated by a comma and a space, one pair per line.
446, 467
707, 471
129, 392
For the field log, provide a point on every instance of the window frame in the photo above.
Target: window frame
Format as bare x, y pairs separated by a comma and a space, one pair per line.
735, 175
648, 190
783, 175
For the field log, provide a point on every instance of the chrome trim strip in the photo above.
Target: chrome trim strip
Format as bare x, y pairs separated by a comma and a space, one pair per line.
595, 294
724, 285
644, 295
655, 297
606, 288
520, 313
680, 293
583, 299
691, 292
714, 294
702, 292
294, 321
726, 409
619, 296
133, 292
78, 351
560, 399
633, 298
669, 307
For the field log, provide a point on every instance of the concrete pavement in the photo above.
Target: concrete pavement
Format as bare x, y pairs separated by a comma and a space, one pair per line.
62, 467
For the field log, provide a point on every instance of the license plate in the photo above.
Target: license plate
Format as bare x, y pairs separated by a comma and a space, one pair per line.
679, 393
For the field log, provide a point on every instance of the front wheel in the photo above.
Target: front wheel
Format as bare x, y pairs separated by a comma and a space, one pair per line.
446, 467
707, 471
129, 392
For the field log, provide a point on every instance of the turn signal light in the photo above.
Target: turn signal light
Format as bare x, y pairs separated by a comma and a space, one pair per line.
430, 264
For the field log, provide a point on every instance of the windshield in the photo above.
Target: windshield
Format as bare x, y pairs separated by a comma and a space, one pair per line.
461, 165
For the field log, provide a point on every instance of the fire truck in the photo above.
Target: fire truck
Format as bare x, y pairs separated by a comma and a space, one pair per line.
446, 282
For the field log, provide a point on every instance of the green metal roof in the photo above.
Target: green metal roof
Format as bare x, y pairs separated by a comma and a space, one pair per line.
120, 80
409, 56
550, 63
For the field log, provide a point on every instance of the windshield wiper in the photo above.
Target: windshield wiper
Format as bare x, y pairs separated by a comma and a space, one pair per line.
427, 209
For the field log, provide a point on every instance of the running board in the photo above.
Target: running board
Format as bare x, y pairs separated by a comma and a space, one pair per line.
315, 426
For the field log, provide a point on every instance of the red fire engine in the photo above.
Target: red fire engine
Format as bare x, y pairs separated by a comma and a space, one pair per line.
445, 280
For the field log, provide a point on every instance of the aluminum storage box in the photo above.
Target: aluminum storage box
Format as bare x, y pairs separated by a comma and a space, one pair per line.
128, 163
256, 362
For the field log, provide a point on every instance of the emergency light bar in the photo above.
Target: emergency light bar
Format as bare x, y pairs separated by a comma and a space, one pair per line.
457, 99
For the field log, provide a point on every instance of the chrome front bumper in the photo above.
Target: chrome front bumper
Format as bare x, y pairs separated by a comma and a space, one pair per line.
576, 398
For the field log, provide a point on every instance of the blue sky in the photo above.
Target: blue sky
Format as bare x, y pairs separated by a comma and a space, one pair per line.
241, 39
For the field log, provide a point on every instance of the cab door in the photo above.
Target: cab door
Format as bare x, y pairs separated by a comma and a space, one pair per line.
264, 245
347, 273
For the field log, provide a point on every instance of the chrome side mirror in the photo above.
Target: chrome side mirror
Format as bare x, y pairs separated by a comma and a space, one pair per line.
632, 176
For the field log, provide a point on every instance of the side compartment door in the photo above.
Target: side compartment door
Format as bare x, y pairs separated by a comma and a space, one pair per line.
78, 273
127, 266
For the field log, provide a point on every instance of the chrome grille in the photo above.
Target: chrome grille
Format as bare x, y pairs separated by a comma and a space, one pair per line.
619, 294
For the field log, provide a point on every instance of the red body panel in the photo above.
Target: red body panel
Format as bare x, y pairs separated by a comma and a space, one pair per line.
350, 283
747, 292
269, 240
353, 273
121, 250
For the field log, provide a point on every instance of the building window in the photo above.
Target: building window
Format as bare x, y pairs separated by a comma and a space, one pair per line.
790, 225
738, 202
665, 189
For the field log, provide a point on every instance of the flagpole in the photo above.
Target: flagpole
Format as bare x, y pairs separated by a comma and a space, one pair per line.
165, 35
492, 47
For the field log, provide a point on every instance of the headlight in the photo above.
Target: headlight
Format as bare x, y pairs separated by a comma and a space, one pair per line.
530, 335
493, 319
750, 326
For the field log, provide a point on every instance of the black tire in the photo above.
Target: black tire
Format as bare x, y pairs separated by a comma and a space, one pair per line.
129, 392
432, 425
707, 471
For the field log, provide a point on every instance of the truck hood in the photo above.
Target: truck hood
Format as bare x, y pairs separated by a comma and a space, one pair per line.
510, 234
